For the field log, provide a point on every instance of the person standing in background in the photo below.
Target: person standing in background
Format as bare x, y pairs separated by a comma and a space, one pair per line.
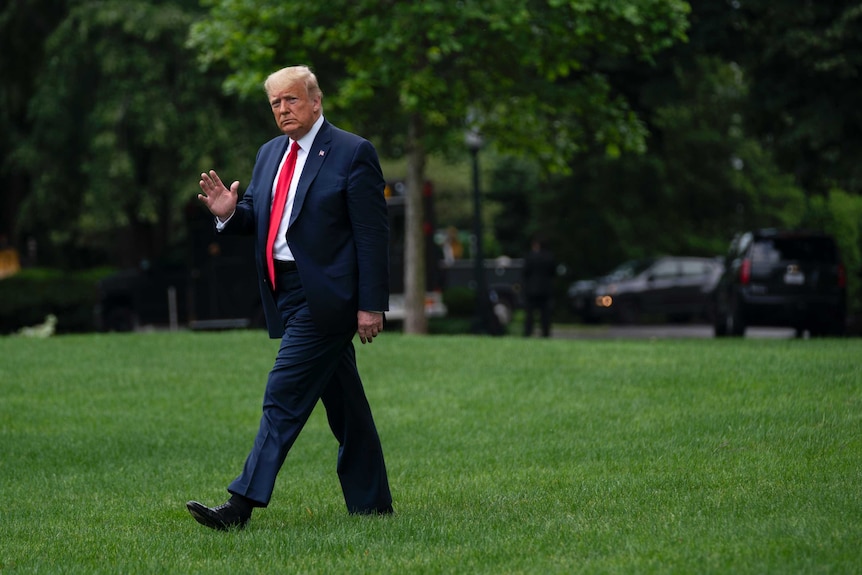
538, 275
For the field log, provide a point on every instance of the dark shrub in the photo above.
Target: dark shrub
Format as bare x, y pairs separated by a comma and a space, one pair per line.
29, 296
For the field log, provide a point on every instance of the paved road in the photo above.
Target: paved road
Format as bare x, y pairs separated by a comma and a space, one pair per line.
659, 331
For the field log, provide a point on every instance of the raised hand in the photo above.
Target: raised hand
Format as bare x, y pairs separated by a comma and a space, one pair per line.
220, 200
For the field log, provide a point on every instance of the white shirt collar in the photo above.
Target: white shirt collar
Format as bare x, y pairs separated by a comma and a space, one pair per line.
307, 140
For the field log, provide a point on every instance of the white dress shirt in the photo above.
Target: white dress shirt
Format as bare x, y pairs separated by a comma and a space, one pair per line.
281, 251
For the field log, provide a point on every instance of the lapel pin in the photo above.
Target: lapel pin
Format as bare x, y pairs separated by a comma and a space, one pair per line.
321, 153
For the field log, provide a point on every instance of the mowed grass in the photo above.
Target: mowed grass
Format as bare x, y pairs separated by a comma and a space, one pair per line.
505, 456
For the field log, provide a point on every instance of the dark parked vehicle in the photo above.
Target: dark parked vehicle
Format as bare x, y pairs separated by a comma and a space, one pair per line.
580, 296
782, 278
664, 288
668, 287
582, 293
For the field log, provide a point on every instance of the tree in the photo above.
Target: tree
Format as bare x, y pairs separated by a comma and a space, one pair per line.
23, 28
122, 124
840, 214
528, 74
803, 60
705, 173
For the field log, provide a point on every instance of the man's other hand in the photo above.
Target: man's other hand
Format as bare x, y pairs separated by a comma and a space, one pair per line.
370, 324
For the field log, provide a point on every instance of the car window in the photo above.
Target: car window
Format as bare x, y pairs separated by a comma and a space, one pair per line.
773, 250
764, 252
740, 245
629, 269
664, 269
694, 268
641, 266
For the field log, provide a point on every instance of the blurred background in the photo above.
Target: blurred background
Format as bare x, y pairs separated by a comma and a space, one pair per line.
619, 131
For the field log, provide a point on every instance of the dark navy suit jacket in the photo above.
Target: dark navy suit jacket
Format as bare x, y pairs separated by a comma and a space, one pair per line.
338, 230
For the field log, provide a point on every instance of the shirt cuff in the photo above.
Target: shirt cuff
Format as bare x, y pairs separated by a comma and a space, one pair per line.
221, 224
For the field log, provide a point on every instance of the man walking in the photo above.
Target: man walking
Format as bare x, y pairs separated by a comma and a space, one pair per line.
315, 204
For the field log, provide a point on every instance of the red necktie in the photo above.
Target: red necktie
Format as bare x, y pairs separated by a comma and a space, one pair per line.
281, 190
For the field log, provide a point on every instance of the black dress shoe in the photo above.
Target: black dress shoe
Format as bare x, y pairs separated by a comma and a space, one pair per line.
222, 518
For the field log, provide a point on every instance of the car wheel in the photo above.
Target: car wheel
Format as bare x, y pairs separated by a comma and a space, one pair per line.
828, 328
836, 328
627, 312
719, 324
735, 321
589, 316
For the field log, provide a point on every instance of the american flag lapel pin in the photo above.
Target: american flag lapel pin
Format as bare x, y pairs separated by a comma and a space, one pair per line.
321, 153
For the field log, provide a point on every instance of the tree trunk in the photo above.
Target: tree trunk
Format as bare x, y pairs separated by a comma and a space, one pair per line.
415, 321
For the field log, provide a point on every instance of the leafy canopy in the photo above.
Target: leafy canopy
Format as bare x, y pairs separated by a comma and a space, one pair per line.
529, 73
122, 124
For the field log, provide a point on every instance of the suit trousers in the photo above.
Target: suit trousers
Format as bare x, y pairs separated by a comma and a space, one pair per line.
311, 366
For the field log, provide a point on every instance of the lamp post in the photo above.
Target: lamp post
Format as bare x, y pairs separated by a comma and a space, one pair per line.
474, 142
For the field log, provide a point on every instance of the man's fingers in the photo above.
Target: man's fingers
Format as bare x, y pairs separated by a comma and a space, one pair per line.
367, 336
211, 183
215, 178
370, 324
211, 180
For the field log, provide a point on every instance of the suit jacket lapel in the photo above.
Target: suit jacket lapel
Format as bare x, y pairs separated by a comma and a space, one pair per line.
316, 156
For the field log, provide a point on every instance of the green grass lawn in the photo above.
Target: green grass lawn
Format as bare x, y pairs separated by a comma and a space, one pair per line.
505, 455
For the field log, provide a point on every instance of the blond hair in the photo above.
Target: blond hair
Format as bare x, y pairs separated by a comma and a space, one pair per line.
283, 78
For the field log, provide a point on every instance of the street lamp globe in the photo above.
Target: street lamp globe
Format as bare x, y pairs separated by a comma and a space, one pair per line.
473, 139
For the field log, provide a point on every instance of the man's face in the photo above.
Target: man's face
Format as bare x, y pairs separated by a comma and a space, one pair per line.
294, 111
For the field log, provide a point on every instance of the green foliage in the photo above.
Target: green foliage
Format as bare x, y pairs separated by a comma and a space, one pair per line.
413, 75
450, 325
840, 214
29, 296
804, 59
513, 183
505, 456
702, 178
613, 137
383, 62
747, 120
460, 301
23, 26
123, 123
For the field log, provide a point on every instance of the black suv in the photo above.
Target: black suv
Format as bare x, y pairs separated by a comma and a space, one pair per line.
781, 278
